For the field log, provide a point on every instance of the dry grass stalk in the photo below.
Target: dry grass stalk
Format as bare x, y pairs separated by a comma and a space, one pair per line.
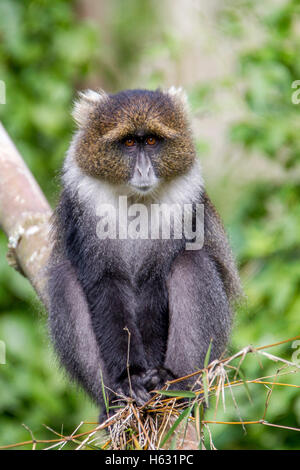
168, 421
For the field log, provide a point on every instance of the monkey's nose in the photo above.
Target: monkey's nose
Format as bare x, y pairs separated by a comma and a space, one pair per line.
143, 176
144, 171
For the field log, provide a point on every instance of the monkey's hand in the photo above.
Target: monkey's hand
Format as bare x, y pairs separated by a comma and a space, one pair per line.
138, 388
139, 385
156, 378
135, 388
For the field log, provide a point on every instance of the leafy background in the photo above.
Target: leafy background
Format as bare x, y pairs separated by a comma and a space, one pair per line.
237, 60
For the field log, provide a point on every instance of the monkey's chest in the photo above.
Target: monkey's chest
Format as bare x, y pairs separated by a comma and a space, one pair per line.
140, 256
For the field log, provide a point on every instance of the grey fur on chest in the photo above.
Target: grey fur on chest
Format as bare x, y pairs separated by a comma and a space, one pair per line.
139, 255
134, 254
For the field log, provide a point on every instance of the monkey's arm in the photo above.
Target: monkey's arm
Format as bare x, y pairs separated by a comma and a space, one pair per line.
71, 329
199, 312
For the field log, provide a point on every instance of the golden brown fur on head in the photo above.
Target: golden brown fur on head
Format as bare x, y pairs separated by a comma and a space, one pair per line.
104, 120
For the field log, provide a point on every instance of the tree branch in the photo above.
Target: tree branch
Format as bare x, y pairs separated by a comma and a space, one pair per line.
24, 216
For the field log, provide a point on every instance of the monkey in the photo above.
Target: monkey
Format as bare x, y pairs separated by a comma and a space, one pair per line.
133, 313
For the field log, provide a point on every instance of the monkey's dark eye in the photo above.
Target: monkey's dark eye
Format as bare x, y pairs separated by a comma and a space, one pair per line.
129, 142
151, 140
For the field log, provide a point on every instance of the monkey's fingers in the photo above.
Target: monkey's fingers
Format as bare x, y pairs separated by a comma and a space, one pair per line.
156, 378
141, 396
135, 390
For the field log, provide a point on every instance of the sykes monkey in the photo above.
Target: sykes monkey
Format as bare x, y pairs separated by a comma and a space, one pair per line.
149, 301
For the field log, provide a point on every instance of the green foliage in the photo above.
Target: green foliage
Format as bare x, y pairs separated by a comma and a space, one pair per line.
265, 224
33, 392
129, 42
46, 53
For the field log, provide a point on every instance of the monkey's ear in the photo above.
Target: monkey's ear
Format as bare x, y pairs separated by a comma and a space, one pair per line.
85, 104
180, 95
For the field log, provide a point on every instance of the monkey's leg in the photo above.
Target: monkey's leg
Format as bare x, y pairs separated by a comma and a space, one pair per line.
199, 312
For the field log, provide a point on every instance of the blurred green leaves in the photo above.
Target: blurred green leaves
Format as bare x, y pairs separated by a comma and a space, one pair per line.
265, 224
44, 51
32, 390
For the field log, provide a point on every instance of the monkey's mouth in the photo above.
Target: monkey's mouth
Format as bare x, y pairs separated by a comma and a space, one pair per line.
143, 188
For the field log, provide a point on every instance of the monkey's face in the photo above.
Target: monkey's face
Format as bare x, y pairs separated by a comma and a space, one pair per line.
139, 138
141, 150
